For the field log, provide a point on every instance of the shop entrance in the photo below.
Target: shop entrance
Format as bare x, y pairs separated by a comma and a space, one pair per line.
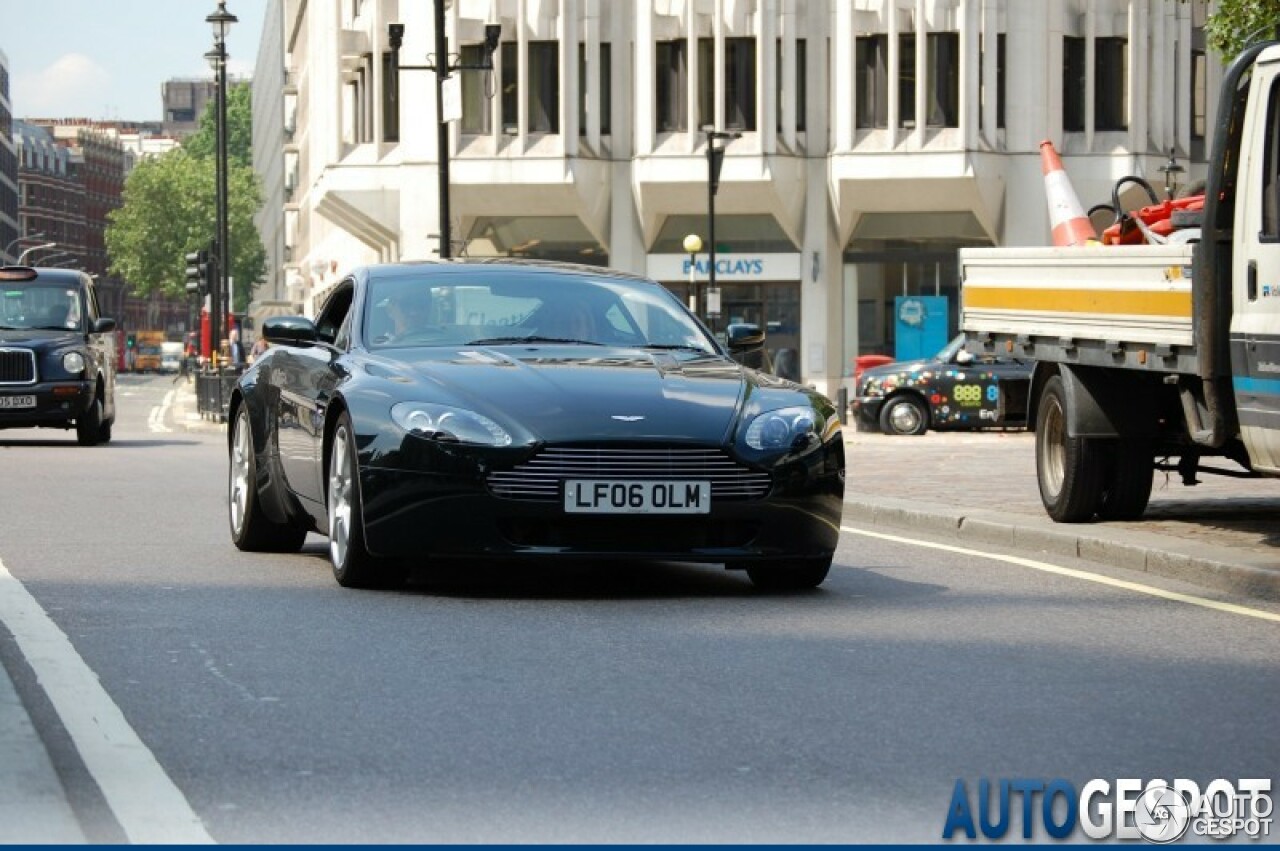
772, 305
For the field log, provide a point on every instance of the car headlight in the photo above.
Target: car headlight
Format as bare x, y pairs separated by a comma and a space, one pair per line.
73, 362
784, 428
441, 422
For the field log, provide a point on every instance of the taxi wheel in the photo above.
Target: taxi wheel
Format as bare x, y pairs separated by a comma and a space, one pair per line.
789, 574
89, 424
905, 415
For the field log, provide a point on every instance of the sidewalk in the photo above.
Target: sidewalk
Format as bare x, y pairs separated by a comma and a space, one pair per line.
980, 488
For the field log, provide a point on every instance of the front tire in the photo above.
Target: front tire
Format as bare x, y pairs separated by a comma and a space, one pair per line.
251, 529
89, 424
353, 566
904, 415
789, 574
1068, 469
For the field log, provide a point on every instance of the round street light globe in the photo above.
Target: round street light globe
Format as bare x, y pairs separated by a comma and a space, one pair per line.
693, 243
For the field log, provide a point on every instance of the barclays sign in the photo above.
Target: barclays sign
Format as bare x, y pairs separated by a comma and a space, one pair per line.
730, 268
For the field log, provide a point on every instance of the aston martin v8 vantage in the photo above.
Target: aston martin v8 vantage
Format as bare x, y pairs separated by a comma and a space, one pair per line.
520, 409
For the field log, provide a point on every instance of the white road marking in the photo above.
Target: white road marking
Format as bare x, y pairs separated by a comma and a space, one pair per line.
146, 803
1230, 608
156, 421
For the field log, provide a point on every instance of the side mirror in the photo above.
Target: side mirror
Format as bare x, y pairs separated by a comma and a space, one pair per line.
746, 344
290, 331
964, 358
102, 325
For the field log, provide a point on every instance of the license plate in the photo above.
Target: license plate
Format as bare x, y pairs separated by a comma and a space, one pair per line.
17, 401
596, 496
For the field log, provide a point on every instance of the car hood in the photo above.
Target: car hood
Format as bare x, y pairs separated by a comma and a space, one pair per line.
889, 370
566, 393
39, 340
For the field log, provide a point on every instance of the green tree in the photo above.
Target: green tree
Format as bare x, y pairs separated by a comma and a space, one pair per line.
1233, 24
204, 142
170, 209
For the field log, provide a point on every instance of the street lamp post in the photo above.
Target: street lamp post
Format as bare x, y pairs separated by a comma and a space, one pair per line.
693, 244
442, 67
24, 238
221, 20
23, 255
715, 159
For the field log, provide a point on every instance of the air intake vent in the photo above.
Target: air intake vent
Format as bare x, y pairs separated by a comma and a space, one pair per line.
540, 479
17, 366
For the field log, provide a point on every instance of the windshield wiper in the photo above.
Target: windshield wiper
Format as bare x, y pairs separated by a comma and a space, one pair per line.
531, 338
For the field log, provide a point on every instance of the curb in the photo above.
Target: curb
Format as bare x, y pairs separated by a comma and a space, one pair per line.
1219, 568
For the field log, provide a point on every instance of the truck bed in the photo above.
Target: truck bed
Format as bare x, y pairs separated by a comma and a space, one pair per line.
1116, 306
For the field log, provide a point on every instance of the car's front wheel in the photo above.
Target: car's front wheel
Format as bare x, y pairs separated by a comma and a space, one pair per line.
905, 415
353, 565
789, 574
89, 424
251, 529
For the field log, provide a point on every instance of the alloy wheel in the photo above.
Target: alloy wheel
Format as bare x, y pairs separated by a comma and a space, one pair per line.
339, 498
239, 479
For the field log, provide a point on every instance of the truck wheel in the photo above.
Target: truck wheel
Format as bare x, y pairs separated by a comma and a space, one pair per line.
1128, 481
1069, 469
904, 415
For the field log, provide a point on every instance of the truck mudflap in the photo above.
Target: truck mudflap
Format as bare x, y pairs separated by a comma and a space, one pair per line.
1100, 403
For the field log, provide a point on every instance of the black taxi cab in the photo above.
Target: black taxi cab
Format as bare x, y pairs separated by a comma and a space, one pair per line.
57, 358
954, 389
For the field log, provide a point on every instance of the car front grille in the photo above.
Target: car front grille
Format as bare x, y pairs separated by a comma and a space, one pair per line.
17, 366
540, 479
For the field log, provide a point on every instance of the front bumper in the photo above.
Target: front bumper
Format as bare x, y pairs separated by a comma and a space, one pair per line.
866, 410
57, 404
415, 514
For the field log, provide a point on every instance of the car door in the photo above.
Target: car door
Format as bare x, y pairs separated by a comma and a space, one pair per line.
305, 377
103, 353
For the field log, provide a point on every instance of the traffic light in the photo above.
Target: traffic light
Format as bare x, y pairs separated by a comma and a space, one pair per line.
130, 341
197, 272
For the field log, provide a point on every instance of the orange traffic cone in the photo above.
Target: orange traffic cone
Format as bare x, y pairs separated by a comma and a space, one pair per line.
1066, 215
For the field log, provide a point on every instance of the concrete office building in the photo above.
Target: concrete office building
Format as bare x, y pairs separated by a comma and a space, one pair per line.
877, 137
9, 233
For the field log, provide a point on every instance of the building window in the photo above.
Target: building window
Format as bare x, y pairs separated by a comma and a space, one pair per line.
999, 87
943, 63
1198, 103
739, 83
543, 84
390, 101
871, 80
476, 91
606, 102
1073, 84
510, 87
670, 86
801, 97
1111, 84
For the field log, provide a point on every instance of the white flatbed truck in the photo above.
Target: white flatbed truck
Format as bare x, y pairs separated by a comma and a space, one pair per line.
1153, 356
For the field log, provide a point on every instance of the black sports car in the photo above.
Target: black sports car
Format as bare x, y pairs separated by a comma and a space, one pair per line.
511, 409
955, 389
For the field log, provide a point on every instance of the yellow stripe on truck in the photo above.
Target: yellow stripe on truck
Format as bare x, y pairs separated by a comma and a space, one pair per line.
1127, 303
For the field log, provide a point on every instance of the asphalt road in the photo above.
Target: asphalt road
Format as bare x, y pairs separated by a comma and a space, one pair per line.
589, 703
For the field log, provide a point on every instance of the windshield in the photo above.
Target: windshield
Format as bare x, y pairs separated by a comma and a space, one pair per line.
476, 307
947, 352
54, 307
